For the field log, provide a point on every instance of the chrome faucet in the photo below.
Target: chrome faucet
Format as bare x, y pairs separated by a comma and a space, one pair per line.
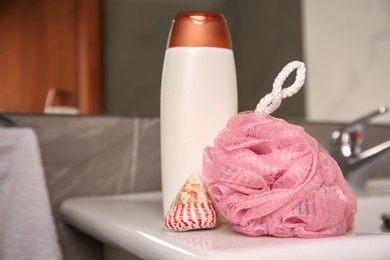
358, 165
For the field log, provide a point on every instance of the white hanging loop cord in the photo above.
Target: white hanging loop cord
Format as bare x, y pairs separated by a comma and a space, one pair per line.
272, 101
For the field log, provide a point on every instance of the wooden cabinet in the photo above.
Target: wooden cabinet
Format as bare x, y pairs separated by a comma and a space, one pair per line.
46, 44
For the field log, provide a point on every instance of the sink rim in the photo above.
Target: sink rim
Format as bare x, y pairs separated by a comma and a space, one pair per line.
134, 222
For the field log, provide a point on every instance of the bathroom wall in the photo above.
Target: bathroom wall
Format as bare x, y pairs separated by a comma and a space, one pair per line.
346, 48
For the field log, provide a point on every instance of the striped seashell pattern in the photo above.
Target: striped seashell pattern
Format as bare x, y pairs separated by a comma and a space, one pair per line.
192, 208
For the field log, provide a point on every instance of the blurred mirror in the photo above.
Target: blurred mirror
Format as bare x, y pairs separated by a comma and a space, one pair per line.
343, 43
266, 36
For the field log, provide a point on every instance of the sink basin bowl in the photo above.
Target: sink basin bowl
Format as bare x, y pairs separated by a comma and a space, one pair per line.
373, 214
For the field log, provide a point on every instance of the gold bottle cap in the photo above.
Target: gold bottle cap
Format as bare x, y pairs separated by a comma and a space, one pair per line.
206, 29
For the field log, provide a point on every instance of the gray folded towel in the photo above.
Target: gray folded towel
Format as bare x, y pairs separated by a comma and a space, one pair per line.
27, 228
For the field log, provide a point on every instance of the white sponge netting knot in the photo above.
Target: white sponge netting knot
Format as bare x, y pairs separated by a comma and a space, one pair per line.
272, 101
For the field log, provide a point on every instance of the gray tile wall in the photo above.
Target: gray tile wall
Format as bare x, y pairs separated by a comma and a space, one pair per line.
92, 156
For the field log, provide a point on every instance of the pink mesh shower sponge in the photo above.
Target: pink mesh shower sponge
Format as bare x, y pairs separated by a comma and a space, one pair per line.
269, 177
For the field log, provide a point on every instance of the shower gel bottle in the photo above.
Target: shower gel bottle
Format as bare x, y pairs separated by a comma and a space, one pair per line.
198, 95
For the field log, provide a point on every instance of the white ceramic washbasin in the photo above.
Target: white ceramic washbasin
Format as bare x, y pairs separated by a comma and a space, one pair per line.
373, 207
134, 224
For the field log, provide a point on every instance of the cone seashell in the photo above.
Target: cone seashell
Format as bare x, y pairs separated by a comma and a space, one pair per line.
192, 207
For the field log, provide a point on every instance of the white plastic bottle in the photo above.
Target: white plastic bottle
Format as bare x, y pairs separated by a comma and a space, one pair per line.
198, 95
